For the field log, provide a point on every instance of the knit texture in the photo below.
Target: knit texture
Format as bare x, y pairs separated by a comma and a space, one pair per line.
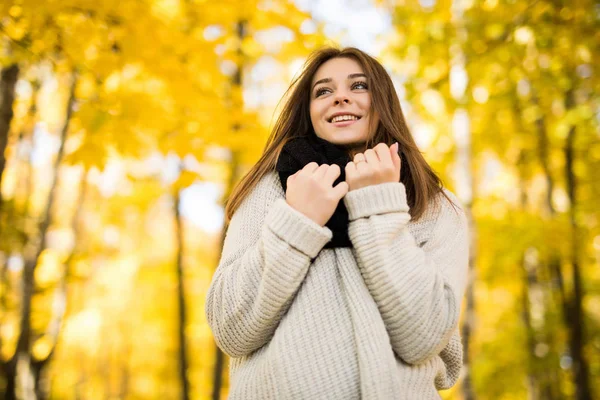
377, 321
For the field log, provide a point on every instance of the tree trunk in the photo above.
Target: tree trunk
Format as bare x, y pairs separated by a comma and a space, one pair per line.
463, 171
8, 81
543, 150
23, 165
529, 279
542, 372
183, 345
576, 317
464, 184
10, 375
60, 304
236, 81
22, 353
552, 384
469, 320
219, 355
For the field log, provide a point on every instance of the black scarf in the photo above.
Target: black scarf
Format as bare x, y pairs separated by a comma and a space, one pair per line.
303, 150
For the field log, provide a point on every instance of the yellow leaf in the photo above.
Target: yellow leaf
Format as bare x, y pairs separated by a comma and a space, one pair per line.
186, 178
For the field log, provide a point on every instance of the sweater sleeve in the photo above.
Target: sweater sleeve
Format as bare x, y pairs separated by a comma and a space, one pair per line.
267, 251
418, 290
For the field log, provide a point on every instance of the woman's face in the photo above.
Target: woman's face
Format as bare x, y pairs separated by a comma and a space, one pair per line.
340, 104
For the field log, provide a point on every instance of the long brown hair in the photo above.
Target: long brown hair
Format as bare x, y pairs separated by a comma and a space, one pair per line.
421, 182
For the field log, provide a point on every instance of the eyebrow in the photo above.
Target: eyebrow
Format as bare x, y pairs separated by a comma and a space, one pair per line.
351, 76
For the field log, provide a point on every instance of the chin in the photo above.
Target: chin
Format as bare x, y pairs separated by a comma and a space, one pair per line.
348, 142
344, 137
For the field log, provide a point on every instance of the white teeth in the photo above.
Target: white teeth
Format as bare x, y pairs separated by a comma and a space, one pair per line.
344, 118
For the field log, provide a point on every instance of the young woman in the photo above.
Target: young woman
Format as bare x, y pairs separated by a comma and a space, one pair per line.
345, 261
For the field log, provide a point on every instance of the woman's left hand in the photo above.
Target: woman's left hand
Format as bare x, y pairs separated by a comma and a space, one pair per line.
380, 164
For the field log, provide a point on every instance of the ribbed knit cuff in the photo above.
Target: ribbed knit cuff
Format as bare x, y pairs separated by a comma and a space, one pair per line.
297, 229
376, 199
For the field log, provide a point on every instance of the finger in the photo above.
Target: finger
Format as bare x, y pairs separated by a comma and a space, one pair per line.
310, 168
394, 149
384, 154
360, 164
350, 168
351, 172
340, 190
290, 179
295, 174
332, 173
371, 157
396, 156
359, 157
319, 173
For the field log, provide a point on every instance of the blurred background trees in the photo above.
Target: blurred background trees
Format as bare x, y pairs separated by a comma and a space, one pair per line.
124, 125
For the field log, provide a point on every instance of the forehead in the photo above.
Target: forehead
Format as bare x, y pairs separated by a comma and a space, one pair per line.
337, 69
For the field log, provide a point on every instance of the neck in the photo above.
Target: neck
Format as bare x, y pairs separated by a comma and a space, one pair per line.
351, 149
354, 149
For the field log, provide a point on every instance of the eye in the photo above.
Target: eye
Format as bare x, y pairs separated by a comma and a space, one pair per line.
321, 91
360, 85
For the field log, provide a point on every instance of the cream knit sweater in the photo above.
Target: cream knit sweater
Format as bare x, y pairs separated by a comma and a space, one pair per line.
376, 321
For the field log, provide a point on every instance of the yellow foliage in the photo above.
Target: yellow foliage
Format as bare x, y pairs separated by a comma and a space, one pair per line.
186, 178
49, 268
42, 347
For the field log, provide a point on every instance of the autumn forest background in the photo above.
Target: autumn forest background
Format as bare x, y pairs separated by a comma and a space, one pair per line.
125, 124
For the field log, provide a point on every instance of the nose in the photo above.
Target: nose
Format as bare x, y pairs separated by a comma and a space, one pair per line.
341, 97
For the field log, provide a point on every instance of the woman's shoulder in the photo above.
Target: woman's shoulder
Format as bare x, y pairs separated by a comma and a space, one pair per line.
263, 194
270, 186
444, 212
444, 204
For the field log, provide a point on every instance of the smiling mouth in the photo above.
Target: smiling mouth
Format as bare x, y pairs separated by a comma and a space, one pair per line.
343, 118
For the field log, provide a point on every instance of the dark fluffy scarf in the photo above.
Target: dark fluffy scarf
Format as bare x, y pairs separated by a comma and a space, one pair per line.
301, 151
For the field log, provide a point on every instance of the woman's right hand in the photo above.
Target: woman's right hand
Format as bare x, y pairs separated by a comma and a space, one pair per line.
311, 191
